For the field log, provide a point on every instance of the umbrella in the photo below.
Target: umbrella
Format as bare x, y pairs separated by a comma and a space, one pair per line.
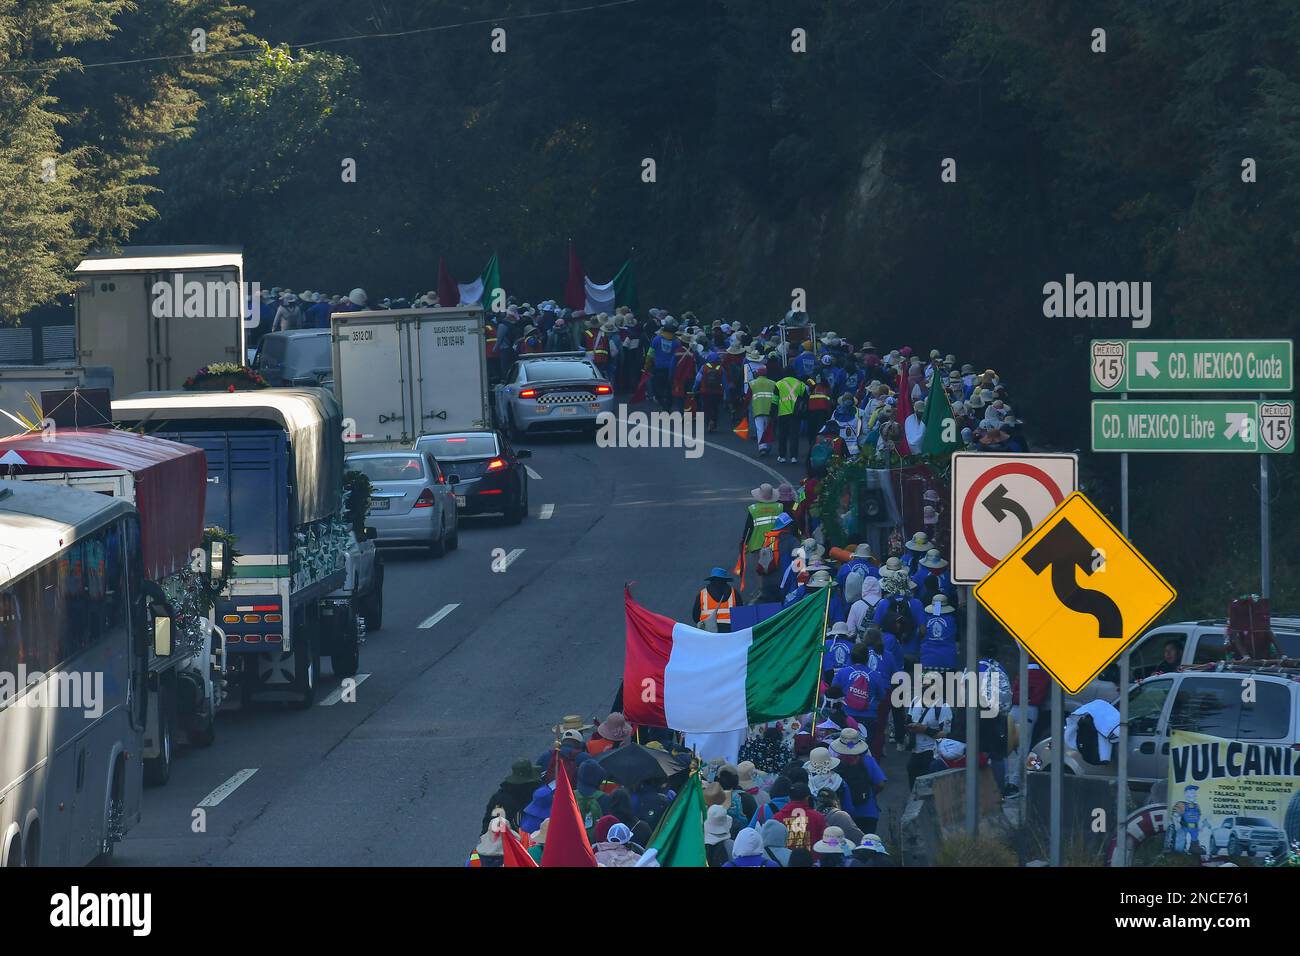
633, 764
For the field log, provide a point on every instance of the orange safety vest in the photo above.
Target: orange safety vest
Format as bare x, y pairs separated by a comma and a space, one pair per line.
819, 400
723, 607
594, 341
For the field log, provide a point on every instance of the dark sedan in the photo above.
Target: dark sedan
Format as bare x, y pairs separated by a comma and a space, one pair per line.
488, 475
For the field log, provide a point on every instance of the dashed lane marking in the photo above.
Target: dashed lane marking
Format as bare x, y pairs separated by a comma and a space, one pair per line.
434, 618
336, 694
227, 788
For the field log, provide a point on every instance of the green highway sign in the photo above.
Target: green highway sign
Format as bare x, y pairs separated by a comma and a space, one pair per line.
1191, 365
1254, 427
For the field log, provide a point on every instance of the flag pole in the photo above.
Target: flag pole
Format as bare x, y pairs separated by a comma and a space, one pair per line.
821, 661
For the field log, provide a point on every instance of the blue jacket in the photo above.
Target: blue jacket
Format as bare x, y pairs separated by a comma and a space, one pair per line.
939, 646
665, 351
910, 643
837, 654
318, 316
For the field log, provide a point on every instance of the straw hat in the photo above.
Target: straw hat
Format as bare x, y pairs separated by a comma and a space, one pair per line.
920, 542
764, 492
933, 559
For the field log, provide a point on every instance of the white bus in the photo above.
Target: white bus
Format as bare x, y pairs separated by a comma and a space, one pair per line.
73, 652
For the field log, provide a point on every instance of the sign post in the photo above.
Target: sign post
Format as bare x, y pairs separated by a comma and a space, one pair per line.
972, 719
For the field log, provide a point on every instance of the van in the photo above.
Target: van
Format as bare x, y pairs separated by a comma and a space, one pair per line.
1206, 699
1193, 643
295, 358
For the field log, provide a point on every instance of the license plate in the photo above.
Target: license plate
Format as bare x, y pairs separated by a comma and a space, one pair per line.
568, 410
460, 501
378, 504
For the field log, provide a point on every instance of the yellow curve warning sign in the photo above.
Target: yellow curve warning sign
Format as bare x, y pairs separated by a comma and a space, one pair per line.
1075, 593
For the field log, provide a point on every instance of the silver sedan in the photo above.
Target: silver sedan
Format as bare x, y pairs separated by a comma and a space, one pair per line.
411, 503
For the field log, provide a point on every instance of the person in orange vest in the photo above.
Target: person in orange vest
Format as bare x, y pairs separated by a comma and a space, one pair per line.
683, 375
716, 598
530, 341
493, 353
820, 405
708, 385
595, 342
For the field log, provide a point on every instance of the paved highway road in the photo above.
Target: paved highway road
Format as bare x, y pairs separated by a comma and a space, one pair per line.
401, 775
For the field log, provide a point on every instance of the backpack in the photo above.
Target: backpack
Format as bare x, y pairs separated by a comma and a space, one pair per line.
858, 694
1085, 733
766, 562
898, 619
821, 453
712, 378
853, 585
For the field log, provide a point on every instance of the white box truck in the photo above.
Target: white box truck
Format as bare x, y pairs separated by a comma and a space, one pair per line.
156, 314
19, 381
403, 373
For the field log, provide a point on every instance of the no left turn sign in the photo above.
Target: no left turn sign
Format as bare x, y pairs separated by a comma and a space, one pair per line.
997, 500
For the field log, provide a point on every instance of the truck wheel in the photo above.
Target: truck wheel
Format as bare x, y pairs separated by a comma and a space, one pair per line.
205, 734
158, 770
345, 661
306, 662
374, 604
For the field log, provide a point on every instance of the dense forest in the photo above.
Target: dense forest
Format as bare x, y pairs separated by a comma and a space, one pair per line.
795, 145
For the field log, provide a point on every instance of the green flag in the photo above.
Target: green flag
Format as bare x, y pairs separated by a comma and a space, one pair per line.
625, 288
679, 838
491, 279
939, 418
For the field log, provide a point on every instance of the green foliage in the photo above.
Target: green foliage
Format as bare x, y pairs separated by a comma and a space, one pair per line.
356, 498
76, 140
966, 851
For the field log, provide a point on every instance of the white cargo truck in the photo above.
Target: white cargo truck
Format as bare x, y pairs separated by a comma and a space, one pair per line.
156, 314
19, 381
403, 373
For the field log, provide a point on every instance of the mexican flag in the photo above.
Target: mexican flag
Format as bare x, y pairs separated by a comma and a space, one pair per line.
481, 289
607, 296
697, 681
679, 838
938, 415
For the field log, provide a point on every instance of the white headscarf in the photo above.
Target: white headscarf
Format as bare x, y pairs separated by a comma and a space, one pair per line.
871, 591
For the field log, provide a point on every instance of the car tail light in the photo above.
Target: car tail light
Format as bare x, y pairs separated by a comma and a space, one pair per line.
274, 639
272, 619
252, 638
230, 619
528, 393
497, 491
441, 479
496, 464
604, 389
252, 618
425, 500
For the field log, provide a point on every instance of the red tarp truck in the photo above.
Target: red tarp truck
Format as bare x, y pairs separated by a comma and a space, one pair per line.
167, 483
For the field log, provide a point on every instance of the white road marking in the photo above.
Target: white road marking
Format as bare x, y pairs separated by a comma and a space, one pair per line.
433, 619
227, 788
532, 474
510, 558
775, 475
546, 512
336, 694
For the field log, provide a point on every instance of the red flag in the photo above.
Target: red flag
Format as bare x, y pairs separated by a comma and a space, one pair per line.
639, 394
575, 290
566, 837
902, 411
448, 291
514, 851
